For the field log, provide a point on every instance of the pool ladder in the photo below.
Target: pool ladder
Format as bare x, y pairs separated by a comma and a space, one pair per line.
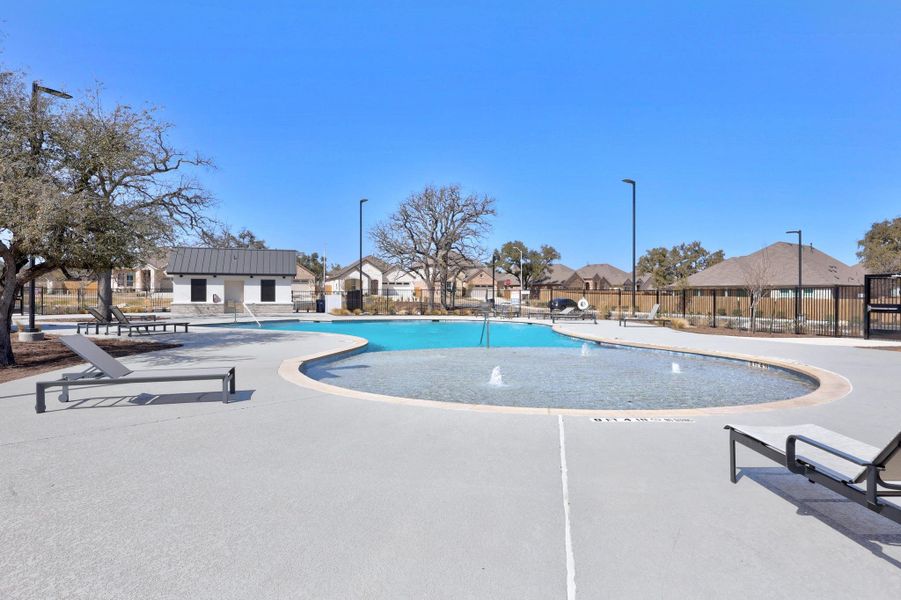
486, 332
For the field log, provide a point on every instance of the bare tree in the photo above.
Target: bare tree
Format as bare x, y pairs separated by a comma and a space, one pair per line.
436, 233
757, 275
94, 190
222, 236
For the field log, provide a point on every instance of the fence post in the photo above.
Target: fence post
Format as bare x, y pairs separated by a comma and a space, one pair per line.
835, 308
658, 297
714, 308
684, 306
619, 301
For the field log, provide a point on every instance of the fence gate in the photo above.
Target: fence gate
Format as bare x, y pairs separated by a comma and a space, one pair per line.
882, 306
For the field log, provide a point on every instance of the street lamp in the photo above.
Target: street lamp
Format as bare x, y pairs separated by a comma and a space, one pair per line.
518, 249
632, 183
362, 201
36, 90
798, 295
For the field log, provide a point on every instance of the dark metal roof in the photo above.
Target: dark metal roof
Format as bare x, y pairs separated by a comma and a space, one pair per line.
231, 261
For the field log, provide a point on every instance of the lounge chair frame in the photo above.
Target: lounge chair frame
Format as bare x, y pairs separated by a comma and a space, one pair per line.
126, 323
575, 314
95, 376
651, 318
96, 323
867, 497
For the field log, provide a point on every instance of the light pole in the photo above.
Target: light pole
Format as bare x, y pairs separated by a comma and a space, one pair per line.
632, 183
798, 295
518, 249
36, 90
362, 201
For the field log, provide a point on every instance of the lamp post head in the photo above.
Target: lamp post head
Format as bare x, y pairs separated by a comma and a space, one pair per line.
362, 200
629, 181
794, 231
37, 87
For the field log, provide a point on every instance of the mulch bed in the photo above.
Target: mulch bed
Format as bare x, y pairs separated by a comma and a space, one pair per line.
743, 332
48, 355
887, 348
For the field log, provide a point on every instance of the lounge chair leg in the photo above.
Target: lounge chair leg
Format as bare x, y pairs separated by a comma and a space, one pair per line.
732, 458
231, 381
40, 404
225, 390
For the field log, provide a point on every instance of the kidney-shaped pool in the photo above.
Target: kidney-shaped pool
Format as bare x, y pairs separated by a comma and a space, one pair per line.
533, 366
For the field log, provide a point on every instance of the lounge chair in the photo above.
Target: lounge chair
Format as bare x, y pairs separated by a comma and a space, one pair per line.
124, 322
571, 312
106, 370
651, 318
99, 320
859, 472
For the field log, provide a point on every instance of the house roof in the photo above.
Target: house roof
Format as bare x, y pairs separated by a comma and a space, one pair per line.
303, 273
613, 275
817, 268
556, 275
355, 266
231, 261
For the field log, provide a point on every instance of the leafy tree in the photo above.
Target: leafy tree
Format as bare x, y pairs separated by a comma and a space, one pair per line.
880, 248
436, 233
676, 264
86, 188
535, 262
223, 237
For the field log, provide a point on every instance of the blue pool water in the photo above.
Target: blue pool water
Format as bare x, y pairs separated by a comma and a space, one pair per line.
532, 366
427, 334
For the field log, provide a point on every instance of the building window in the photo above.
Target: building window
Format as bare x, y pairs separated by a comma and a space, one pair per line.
267, 290
198, 290
129, 280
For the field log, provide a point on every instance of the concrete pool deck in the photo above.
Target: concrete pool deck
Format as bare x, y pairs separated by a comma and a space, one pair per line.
295, 493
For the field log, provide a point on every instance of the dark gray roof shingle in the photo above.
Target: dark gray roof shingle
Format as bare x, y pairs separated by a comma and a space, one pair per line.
231, 261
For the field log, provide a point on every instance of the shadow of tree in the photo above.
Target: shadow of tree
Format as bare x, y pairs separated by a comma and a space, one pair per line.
865, 527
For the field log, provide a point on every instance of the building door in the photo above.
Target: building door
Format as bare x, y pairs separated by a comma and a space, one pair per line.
234, 295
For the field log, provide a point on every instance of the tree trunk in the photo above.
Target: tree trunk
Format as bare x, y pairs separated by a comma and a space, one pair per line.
105, 292
7, 301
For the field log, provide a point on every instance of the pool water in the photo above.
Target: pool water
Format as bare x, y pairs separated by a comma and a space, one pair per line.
423, 334
448, 361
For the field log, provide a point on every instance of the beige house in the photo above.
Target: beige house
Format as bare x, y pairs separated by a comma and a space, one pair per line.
304, 281
148, 276
777, 267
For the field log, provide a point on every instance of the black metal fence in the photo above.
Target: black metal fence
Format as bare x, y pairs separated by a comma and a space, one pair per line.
824, 310
882, 306
67, 301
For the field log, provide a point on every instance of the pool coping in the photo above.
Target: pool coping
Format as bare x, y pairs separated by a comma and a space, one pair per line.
831, 386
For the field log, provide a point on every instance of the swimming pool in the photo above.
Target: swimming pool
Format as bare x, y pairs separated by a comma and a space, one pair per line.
422, 334
533, 366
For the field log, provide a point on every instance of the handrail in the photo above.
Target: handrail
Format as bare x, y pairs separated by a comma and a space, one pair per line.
247, 308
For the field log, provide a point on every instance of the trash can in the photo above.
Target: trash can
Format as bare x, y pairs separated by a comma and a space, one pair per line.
320, 305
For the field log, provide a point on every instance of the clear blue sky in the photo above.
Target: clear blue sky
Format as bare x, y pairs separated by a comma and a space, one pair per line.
739, 120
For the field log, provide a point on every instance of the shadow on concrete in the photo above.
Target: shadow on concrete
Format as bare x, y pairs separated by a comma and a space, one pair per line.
154, 399
865, 527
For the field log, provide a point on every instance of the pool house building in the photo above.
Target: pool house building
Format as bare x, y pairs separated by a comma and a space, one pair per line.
210, 281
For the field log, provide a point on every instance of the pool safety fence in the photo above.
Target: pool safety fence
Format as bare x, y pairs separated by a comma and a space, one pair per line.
76, 301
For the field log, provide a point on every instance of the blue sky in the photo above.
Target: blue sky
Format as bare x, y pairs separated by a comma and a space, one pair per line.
739, 120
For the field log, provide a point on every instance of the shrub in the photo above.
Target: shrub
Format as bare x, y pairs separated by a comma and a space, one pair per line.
736, 312
679, 324
357, 312
721, 312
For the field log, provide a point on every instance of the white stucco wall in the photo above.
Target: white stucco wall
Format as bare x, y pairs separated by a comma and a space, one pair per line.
181, 293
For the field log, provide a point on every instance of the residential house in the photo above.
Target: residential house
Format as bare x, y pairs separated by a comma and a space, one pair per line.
304, 283
777, 267
147, 276
600, 276
210, 281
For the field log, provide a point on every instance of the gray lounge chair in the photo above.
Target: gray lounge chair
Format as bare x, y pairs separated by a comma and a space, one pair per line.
122, 321
651, 318
99, 320
861, 473
106, 370
572, 313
